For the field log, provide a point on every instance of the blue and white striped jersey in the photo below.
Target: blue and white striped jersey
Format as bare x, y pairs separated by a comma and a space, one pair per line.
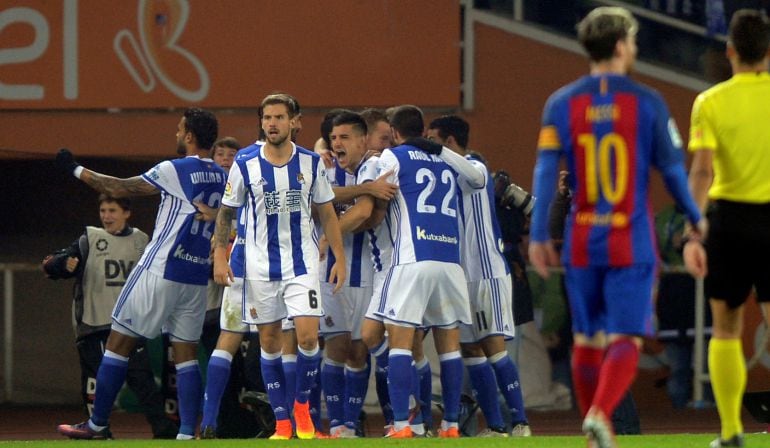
181, 245
359, 270
482, 243
237, 256
380, 245
281, 242
423, 217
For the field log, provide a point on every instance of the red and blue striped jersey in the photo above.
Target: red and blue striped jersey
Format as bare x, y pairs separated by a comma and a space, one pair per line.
611, 131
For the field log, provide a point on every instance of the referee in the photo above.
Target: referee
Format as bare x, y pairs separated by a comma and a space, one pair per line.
730, 139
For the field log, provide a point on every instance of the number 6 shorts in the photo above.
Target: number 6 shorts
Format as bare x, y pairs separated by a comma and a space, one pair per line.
270, 301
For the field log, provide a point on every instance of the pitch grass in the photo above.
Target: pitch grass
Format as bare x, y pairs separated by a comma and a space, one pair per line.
645, 441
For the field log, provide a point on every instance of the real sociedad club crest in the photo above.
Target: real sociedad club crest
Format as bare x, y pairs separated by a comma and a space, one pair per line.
300, 178
329, 321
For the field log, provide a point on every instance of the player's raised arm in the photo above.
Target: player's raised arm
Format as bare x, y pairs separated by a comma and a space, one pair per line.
112, 186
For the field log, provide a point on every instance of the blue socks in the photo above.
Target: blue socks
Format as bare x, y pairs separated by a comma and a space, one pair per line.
290, 374
356, 383
275, 383
508, 381
400, 384
485, 390
333, 384
189, 394
109, 379
426, 391
451, 384
381, 379
217, 376
308, 362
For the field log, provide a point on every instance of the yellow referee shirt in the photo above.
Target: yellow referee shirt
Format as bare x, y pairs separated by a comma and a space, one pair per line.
733, 120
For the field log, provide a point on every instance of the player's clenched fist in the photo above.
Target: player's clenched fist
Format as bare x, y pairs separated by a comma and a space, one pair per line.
65, 161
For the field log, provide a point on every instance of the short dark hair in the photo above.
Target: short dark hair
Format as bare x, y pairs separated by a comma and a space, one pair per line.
750, 35
123, 203
407, 121
328, 123
373, 116
353, 119
600, 31
227, 142
203, 125
452, 125
291, 103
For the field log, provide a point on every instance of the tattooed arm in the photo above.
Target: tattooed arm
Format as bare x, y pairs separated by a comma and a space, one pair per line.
117, 187
223, 274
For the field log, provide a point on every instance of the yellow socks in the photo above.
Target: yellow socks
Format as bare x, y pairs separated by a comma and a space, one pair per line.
727, 369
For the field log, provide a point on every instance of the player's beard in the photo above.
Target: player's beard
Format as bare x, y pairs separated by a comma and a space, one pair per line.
277, 140
181, 149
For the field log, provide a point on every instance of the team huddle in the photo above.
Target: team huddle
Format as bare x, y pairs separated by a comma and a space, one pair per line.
408, 244
386, 231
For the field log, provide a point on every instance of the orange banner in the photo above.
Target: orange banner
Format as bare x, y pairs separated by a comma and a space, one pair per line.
97, 54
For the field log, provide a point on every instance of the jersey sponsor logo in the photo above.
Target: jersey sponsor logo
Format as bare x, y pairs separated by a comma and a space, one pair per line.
423, 235
261, 182
613, 219
102, 244
292, 202
182, 255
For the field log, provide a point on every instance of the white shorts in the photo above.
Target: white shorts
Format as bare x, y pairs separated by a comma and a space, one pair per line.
232, 309
491, 308
270, 301
360, 298
426, 293
150, 304
337, 311
377, 301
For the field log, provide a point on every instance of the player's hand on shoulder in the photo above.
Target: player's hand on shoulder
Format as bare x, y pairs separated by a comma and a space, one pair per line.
65, 161
382, 188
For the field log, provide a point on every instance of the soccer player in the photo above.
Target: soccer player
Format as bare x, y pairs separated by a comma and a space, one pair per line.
611, 131
426, 284
167, 289
281, 254
378, 136
731, 143
230, 323
489, 284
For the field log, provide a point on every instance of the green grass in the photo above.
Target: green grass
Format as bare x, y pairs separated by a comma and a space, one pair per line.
651, 441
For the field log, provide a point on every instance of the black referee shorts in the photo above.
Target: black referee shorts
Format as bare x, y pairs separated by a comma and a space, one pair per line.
738, 249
